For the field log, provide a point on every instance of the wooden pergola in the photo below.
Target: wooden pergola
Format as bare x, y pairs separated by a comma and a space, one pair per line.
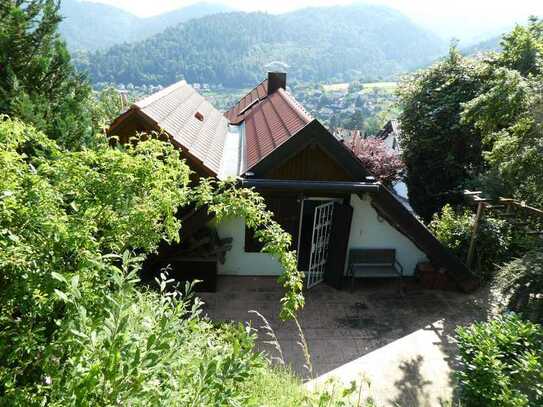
518, 213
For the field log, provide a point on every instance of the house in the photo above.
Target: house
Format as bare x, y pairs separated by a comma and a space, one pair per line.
347, 136
311, 181
391, 134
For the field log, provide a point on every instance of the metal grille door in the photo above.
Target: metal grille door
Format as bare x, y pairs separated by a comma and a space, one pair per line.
322, 224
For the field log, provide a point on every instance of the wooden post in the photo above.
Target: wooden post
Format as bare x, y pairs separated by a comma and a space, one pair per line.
471, 250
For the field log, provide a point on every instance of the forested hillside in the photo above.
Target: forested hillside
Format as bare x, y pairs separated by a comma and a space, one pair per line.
234, 49
91, 26
491, 44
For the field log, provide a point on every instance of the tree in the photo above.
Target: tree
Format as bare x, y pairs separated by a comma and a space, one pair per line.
356, 121
509, 115
440, 152
107, 105
382, 162
69, 220
37, 81
523, 48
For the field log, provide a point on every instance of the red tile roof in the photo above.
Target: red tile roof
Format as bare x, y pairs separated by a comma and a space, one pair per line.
239, 111
269, 120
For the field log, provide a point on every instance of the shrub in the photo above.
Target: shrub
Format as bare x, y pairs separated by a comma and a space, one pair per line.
73, 328
381, 161
501, 363
520, 282
147, 349
454, 229
60, 212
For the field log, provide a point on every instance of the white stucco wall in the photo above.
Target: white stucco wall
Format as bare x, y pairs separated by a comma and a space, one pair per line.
238, 262
401, 189
367, 231
370, 232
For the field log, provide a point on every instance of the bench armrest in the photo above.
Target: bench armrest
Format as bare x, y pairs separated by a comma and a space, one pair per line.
396, 262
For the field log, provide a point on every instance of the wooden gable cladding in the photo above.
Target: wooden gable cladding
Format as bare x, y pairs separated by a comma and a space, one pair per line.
312, 154
310, 164
128, 125
132, 122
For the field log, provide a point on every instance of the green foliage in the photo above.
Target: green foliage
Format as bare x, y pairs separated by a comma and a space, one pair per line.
465, 119
523, 48
356, 121
454, 229
509, 113
59, 213
501, 363
279, 388
233, 49
516, 142
74, 330
440, 152
520, 282
225, 200
38, 84
107, 105
148, 349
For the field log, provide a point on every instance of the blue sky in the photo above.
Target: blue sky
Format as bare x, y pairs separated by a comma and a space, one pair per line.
465, 19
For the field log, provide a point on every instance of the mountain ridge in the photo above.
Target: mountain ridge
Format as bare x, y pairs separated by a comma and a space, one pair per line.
88, 25
233, 49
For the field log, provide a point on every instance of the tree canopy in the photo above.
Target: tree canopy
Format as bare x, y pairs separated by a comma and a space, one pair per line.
38, 83
440, 151
476, 122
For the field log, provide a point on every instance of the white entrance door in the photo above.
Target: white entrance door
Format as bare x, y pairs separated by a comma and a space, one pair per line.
322, 225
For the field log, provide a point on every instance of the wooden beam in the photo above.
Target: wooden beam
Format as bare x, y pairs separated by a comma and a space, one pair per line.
471, 251
467, 192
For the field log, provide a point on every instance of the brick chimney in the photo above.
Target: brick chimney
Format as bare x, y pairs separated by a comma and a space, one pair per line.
276, 80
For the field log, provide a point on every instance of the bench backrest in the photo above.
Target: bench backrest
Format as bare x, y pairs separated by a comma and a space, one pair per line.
372, 256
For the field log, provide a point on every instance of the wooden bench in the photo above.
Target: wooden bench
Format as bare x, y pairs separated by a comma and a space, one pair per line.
373, 263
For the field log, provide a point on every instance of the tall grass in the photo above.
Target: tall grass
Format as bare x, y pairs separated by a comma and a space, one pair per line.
280, 385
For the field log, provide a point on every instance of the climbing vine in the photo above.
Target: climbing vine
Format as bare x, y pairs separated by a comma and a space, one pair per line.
226, 199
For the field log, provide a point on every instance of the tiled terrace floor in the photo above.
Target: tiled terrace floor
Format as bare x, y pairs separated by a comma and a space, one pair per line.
392, 338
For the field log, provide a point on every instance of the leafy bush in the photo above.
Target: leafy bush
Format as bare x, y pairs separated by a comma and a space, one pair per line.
60, 212
147, 349
501, 363
454, 229
381, 161
520, 282
73, 328
441, 152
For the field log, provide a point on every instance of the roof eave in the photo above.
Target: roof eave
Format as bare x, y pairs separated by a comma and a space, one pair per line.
134, 109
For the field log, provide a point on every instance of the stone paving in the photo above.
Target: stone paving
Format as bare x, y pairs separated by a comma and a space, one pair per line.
397, 338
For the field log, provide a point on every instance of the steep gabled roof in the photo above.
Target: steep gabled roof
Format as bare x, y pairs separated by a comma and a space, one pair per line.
264, 129
189, 119
392, 127
237, 113
269, 121
387, 204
